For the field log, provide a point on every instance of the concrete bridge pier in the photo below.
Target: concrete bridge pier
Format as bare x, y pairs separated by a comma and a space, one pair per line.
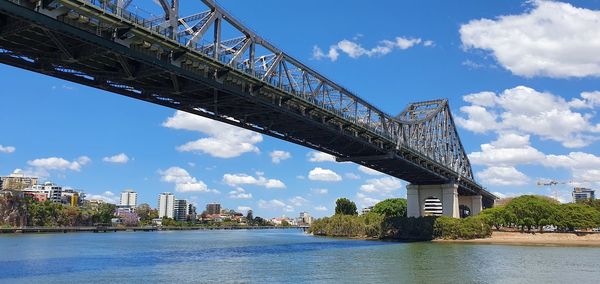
440, 200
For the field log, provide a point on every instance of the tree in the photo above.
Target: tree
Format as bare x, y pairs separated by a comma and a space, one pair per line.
130, 219
497, 216
577, 216
344, 206
143, 211
168, 222
532, 211
250, 217
105, 213
392, 207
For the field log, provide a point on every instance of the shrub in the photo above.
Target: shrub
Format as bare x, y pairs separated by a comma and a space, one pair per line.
468, 228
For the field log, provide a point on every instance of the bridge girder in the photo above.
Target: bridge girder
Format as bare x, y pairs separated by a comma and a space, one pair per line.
159, 65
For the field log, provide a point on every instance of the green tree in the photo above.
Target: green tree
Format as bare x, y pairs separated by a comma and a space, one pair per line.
576, 216
168, 222
343, 206
250, 217
143, 211
497, 217
532, 211
392, 207
105, 213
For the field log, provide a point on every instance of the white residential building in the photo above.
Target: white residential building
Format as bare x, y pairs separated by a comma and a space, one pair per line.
166, 205
128, 198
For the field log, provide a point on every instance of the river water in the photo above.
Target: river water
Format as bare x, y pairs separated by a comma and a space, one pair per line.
268, 256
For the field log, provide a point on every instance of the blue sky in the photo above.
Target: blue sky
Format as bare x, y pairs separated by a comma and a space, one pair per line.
522, 79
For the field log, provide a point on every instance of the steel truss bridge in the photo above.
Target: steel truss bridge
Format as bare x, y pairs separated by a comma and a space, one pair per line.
211, 65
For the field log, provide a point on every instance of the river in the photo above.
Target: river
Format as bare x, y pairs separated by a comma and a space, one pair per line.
268, 256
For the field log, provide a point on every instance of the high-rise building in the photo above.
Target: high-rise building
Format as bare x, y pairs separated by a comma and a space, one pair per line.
180, 210
580, 193
213, 208
305, 218
52, 191
17, 181
128, 198
166, 205
191, 212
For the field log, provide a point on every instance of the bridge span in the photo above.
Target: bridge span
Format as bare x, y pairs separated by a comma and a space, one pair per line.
210, 64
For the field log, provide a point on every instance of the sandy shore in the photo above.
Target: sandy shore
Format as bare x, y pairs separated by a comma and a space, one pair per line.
545, 239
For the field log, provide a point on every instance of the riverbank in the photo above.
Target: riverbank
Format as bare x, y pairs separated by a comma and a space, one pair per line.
537, 239
132, 229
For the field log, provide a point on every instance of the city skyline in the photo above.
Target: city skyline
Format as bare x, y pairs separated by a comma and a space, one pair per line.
518, 123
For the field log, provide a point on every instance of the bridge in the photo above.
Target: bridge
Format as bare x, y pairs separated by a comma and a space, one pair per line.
210, 64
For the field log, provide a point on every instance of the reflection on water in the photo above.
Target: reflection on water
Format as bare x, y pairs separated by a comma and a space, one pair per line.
280, 256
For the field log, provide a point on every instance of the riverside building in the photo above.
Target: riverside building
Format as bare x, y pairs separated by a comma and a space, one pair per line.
17, 181
180, 210
580, 193
213, 208
166, 205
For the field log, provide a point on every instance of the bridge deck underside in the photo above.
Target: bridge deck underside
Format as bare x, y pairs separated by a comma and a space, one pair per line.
48, 46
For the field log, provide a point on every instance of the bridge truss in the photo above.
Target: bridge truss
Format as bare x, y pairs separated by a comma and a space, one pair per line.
209, 64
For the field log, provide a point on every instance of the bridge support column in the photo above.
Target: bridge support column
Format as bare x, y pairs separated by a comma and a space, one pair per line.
474, 203
434, 194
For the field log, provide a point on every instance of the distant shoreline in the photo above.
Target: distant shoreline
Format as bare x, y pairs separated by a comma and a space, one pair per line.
534, 239
36, 230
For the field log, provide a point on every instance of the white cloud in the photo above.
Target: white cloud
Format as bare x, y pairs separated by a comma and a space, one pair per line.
117, 159
298, 201
275, 204
553, 39
485, 99
321, 174
240, 193
383, 186
223, 141
42, 166
479, 119
320, 190
315, 157
277, 156
355, 50
509, 150
502, 176
243, 208
369, 171
366, 201
320, 208
585, 167
107, 196
523, 110
352, 176
260, 180
332, 54
7, 149
588, 100
183, 181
